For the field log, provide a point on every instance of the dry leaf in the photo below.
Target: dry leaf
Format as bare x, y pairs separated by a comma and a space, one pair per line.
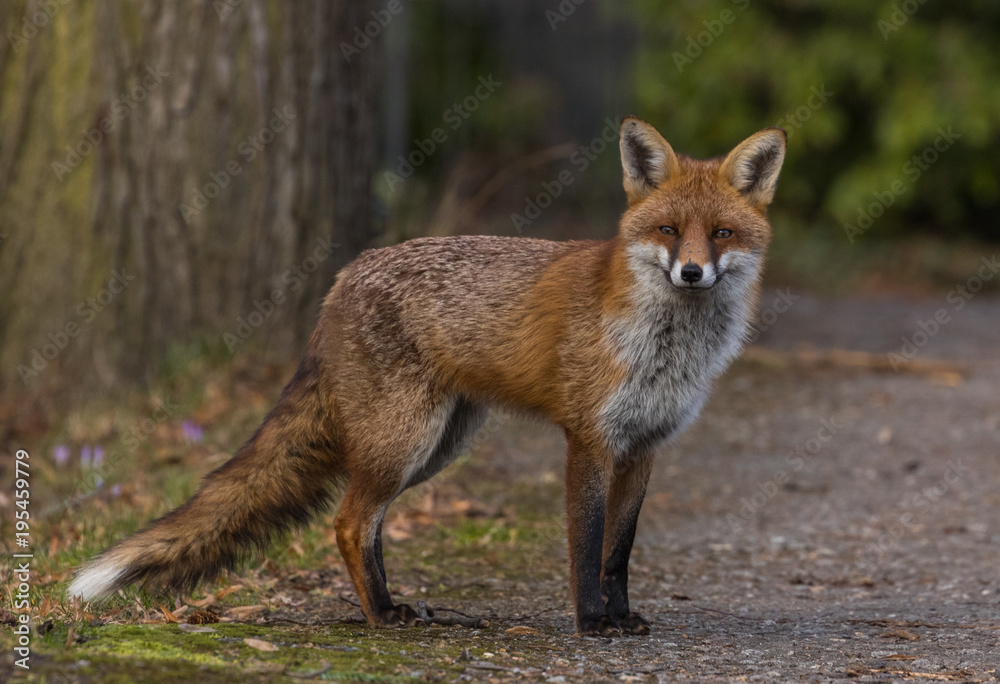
900, 634
167, 614
260, 645
244, 612
207, 601
222, 593
521, 629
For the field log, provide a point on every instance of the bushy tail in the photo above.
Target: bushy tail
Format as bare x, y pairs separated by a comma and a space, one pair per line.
279, 478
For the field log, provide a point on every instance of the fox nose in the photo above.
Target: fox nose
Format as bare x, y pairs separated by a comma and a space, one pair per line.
691, 273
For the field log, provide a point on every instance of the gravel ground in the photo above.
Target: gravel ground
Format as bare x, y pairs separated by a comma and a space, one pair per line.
819, 524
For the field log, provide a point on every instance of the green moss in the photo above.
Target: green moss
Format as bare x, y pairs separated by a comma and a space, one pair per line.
352, 654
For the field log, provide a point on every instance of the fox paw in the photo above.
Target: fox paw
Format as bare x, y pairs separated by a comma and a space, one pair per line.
397, 616
632, 623
600, 625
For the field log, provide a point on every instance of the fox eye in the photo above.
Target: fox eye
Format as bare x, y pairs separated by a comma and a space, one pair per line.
668, 230
723, 233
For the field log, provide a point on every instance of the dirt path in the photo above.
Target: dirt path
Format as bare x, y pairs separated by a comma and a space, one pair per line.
824, 524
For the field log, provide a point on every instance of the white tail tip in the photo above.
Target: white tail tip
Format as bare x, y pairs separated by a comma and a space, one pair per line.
96, 580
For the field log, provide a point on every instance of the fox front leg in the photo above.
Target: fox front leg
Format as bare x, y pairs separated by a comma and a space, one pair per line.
587, 484
628, 488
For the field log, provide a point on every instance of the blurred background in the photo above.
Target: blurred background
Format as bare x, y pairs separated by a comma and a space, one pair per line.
182, 179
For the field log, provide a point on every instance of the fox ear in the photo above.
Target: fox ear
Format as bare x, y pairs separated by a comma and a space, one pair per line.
753, 166
647, 159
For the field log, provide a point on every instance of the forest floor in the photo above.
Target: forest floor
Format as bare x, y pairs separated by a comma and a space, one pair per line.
828, 519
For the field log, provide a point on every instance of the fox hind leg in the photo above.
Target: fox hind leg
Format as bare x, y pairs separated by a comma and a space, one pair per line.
374, 485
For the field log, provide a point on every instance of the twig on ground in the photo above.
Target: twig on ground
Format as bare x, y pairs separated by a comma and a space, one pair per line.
348, 599
427, 616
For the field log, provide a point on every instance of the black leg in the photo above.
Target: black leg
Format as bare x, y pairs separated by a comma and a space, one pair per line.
628, 488
586, 496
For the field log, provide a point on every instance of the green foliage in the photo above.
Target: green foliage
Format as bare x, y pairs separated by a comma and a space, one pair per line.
894, 76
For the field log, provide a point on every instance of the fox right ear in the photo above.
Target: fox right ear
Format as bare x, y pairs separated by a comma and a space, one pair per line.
647, 159
753, 166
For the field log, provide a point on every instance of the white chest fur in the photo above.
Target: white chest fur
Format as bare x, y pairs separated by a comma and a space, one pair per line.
674, 346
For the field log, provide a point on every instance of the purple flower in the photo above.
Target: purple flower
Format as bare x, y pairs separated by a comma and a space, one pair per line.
61, 454
116, 490
98, 456
85, 457
192, 431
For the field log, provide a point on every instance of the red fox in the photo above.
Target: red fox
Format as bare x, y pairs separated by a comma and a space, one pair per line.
615, 341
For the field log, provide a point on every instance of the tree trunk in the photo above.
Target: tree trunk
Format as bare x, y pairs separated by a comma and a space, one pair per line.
239, 141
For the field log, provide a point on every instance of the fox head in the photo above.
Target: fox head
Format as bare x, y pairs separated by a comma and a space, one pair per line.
698, 222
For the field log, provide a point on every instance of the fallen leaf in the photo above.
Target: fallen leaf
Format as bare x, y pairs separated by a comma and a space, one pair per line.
521, 629
244, 612
207, 601
167, 614
900, 634
222, 593
260, 644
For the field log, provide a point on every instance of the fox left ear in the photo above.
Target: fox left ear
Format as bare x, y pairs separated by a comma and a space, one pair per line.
753, 166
